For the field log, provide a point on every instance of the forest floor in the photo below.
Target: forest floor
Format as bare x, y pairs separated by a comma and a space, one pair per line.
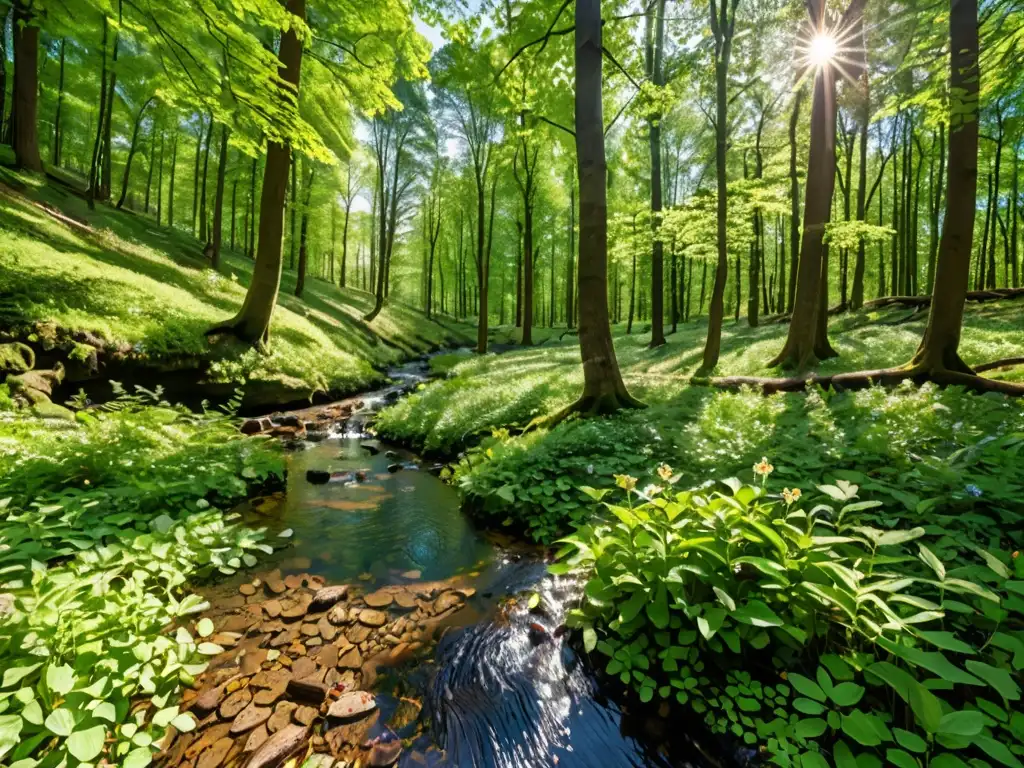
148, 295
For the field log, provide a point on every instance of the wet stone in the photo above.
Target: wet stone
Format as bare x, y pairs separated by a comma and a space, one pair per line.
328, 656
373, 618
293, 581
273, 608
282, 716
351, 659
447, 601
379, 599
247, 590
279, 746
303, 667
249, 718
338, 615
256, 738
328, 596
276, 586
234, 704
310, 630
304, 715
352, 704
358, 633
214, 756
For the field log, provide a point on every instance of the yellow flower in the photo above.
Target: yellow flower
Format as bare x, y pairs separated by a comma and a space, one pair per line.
625, 482
665, 472
790, 495
763, 468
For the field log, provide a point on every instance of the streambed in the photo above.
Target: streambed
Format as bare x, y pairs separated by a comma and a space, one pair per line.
435, 624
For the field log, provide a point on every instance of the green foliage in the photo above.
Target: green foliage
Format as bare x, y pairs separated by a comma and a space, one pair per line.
105, 522
804, 628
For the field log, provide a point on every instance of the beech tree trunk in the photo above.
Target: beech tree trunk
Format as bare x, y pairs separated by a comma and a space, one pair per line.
252, 323
58, 139
300, 280
131, 153
807, 341
570, 277
218, 202
26, 88
655, 68
857, 291
170, 188
603, 388
204, 229
794, 202
939, 346
936, 206
94, 168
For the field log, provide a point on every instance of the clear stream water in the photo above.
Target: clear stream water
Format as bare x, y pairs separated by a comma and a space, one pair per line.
497, 691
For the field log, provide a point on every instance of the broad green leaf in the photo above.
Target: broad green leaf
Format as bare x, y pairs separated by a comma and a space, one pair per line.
205, 627
806, 686
61, 721
901, 759
998, 678
963, 723
60, 679
87, 744
858, 726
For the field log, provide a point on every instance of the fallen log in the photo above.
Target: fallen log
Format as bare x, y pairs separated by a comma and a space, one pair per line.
845, 382
923, 301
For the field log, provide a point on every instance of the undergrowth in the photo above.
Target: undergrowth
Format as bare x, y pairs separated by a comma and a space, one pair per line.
104, 523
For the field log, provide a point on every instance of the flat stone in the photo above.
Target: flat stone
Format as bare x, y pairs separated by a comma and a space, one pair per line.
253, 660
352, 704
249, 718
276, 586
293, 581
372, 618
447, 601
358, 633
282, 716
466, 592
338, 615
310, 630
273, 608
236, 622
379, 599
310, 689
235, 601
295, 609
208, 738
326, 629
303, 667
210, 699
405, 600
351, 659
385, 751
226, 639
247, 590
279, 746
256, 738
214, 756
328, 596
328, 656
234, 704
304, 715
411, 575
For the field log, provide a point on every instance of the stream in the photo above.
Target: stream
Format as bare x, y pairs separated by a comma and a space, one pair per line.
492, 683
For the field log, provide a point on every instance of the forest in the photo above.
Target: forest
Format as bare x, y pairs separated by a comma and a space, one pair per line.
511, 382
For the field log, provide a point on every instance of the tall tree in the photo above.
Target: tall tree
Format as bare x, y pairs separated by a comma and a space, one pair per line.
655, 69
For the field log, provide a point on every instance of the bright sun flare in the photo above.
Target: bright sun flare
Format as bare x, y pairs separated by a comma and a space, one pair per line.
823, 48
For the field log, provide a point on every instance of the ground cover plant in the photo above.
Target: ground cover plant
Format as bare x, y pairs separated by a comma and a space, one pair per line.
820, 624
105, 523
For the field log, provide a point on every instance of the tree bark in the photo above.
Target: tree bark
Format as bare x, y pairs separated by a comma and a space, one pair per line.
935, 207
939, 347
807, 341
131, 153
300, 280
603, 388
106, 180
195, 175
655, 69
252, 323
26, 87
570, 277
794, 201
722, 27
57, 136
94, 170
857, 291
218, 202
204, 228
170, 188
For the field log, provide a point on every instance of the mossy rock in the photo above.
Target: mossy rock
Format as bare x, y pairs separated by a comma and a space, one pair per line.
48, 410
16, 358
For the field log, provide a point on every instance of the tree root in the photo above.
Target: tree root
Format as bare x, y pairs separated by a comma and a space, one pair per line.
925, 301
887, 377
588, 406
234, 327
1006, 362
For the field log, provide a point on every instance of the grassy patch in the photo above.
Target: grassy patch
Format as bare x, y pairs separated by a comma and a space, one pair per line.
130, 282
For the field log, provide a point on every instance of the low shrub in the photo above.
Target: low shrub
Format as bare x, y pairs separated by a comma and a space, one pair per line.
825, 630
104, 524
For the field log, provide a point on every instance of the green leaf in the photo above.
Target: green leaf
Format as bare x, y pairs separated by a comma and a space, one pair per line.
810, 728
589, 639
61, 722
858, 726
843, 756
138, 758
998, 678
808, 707
901, 759
14, 675
963, 723
758, 614
534, 601
846, 694
928, 558
813, 760
205, 627
657, 610
997, 751
947, 641
60, 680
909, 740
807, 687
184, 723
87, 744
